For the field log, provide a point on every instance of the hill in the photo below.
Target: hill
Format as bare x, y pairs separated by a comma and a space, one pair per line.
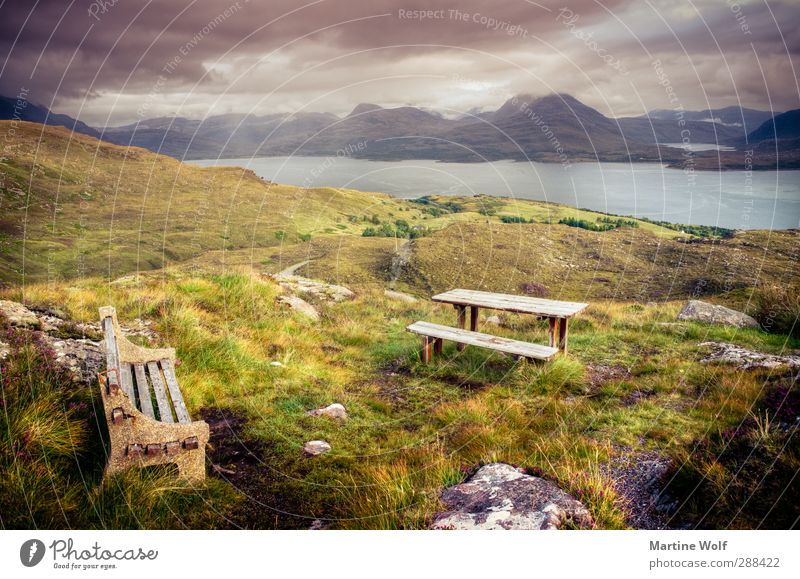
22, 110
783, 126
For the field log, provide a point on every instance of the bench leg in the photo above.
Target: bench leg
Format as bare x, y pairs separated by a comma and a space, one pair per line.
437, 345
425, 354
473, 318
562, 335
462, 322
552, 331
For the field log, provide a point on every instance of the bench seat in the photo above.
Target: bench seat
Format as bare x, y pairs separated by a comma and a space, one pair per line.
470, 338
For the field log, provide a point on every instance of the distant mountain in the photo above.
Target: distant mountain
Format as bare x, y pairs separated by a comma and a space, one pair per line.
12, 108
554, 127
732, 116
783, 126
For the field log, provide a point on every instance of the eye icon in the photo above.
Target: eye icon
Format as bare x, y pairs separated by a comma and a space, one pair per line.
31, 553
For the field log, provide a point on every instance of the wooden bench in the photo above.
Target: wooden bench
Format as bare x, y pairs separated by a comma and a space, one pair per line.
433, 336
148, 423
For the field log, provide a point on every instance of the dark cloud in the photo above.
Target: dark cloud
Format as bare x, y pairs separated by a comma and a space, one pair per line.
118, 60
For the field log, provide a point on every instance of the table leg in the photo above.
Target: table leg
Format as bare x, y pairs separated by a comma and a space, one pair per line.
437, 345
425, 354
462, 322
552, 331
562, 335
473, 318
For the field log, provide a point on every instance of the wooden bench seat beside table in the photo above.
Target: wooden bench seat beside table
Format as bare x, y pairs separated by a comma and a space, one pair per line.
147, 426
433, 336
556, 312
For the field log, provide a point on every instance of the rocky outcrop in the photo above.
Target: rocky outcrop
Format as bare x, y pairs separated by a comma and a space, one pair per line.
334, 410
724, 353
315, 448
320, 290
75, 345
699, 311
19, 315
500, 496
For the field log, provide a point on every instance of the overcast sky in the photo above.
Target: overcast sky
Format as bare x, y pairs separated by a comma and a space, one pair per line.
116, 62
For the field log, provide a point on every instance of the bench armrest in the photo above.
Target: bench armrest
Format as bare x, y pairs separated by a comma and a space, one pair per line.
130, 352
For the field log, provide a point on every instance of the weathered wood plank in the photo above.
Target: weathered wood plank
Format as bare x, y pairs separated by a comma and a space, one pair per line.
175, 392
164, 411
551, 331
112, 355
127, 381
143, 388
469, 338
511, 303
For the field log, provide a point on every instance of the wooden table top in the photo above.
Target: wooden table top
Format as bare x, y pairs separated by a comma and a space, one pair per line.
510, 303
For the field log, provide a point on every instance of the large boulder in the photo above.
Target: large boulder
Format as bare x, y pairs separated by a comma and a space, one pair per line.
500, 496
700, 311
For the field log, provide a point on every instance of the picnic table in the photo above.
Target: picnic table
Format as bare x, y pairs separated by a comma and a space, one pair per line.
556, 312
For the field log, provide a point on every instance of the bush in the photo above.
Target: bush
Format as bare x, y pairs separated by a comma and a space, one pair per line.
777, 309
514, 219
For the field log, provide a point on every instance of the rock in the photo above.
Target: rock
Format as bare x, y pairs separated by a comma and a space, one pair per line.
315, 448
745, 359
335, 410
4, 350
494, 320
699, 311
300, 305
18, 315
400, 296
316, 525
82, 357
276, 364
499, 496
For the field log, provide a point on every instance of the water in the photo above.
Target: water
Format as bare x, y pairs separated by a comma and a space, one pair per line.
697, 147
733, 199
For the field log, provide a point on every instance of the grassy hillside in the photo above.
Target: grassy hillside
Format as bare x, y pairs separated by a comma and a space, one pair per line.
632, 384
81, 213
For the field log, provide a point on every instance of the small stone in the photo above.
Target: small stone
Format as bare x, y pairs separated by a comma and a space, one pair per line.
315, 448
334, 410
316, 525
494, 320
276, 364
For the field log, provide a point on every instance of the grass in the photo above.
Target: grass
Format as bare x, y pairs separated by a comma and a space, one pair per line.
412, 429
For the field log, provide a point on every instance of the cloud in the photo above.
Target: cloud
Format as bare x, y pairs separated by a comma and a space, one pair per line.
101, 60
